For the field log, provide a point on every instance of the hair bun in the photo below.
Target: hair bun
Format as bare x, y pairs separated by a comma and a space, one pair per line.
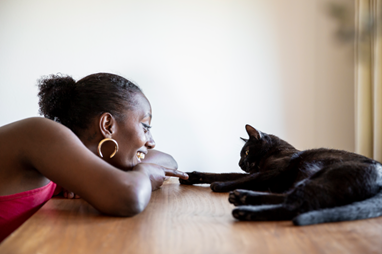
56, 92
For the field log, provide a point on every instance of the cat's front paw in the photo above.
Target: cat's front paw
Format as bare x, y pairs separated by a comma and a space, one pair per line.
238, 197
219, 187
193, 178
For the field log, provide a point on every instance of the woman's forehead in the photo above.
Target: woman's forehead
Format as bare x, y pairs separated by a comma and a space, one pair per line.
142, 105
141, 98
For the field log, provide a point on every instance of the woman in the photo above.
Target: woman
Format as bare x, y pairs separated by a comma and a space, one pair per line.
98, 146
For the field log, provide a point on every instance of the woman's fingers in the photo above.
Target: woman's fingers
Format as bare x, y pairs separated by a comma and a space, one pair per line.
176, 173
70, 195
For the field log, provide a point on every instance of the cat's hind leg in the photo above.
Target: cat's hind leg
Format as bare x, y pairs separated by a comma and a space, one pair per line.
263, 213
337, 185
247, 197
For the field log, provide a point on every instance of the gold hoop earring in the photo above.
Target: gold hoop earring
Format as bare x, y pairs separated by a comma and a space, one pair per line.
103, 141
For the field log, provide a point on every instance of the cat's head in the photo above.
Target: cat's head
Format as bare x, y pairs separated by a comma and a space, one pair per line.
254, 149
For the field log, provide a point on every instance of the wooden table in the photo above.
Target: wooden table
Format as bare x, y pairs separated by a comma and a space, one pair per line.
182, 219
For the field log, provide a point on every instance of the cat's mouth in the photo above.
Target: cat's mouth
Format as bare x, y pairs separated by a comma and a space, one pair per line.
255, 169
250, 167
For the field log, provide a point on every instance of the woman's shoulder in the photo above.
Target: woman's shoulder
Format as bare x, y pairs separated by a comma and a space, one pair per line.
33, 127
32, 122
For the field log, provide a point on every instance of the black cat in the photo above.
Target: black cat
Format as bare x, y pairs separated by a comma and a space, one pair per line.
310, 186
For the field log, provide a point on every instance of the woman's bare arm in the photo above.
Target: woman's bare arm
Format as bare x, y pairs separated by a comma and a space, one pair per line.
160, 158
59, 155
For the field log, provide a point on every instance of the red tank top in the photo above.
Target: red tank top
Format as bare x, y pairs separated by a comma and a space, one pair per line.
15, 209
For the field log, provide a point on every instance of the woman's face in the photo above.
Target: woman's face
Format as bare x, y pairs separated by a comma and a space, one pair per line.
133, 134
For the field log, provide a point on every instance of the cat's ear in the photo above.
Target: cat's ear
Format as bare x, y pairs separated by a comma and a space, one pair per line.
252, 132
244, 139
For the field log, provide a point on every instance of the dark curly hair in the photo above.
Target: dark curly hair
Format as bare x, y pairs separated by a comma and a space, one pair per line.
75, 104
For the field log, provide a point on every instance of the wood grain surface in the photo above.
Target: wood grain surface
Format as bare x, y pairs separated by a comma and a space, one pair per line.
182, 219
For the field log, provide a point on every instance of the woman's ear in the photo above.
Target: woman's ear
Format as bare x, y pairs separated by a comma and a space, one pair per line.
107, 125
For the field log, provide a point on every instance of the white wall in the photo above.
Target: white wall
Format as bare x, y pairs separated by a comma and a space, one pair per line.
207, 66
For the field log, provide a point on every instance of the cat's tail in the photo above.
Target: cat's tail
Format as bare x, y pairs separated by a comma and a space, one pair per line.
368, 208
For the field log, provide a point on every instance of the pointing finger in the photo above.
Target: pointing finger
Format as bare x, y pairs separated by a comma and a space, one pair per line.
176, 173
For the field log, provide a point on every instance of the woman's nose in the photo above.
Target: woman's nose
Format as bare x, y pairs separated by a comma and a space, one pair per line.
150, 144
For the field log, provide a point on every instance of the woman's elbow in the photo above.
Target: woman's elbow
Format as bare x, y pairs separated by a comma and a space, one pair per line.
133, 207
132, 203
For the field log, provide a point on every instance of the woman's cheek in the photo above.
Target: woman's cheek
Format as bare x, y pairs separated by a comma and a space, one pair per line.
142, 140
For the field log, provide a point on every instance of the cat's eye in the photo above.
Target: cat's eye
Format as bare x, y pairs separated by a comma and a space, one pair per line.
246, 152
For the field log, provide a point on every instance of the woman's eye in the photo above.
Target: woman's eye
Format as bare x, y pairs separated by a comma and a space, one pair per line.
146, 127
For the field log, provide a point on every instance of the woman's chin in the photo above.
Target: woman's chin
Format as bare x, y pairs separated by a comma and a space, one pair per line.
128, 165
135, 161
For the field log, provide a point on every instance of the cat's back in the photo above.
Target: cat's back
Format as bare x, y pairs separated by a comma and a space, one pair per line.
326, 156
311, 162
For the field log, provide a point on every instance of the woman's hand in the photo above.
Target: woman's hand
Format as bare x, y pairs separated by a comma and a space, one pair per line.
175, 173
160, 158
69, 194
157, 174
65, 193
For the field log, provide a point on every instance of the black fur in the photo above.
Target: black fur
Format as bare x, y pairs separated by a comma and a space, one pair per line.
310, 186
